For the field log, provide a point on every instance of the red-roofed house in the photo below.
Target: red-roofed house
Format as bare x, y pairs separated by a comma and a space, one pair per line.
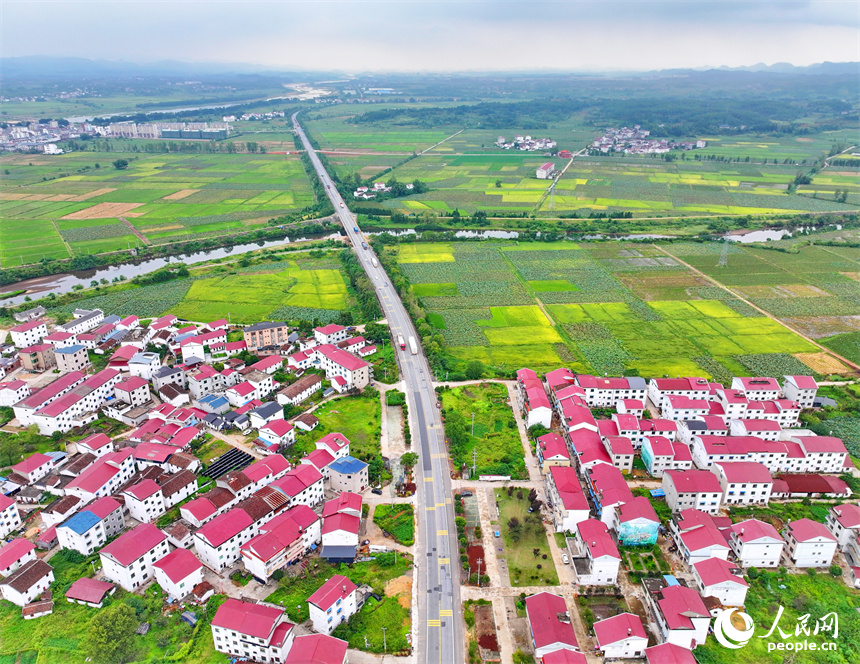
552, 451
744, 482
14, 554
844, 522
719, 578
532, 399
569, 504
608, 489
336, 443
756, 543
338, 363
621, 636
34, 467
10, 519
602, 392
660, 388
13, 392
801, 389
669, 653
330, 334
144, 500
282, 540
334, 603
549, 623
253, 632
598, 560
133, 390
128, 560
810, 544
218, 541
758, 388
620, 450
105, 476
269, 364
635, 522
317, 649
26, 409
277, 434
347, 503
28, 334
178, 572
98, 445
701, 543
824, 454
679, 407
659, 454
681, 614
698, 489
89, 592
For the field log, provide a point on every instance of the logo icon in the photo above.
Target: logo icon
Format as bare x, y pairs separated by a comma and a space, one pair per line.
727, 634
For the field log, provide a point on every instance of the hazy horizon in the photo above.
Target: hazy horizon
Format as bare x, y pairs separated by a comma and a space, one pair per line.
355, 36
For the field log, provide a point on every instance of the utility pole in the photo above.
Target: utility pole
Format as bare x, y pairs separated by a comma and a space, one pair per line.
366, 645
474, 463
480, 560
473, 424
384, 642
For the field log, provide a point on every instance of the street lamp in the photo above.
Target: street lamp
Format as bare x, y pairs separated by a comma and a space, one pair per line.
384, 642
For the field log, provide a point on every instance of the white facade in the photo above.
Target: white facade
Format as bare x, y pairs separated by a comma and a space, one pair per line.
681, 499
218, 555
137, 571
753, 548
28, 334
179, 587
10, 519
12, 591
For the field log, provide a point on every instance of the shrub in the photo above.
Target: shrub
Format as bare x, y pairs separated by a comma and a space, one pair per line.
835, 570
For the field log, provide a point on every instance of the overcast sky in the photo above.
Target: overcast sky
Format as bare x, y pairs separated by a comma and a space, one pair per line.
355, 35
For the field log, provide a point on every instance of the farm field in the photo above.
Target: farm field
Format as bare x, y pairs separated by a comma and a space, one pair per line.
613, 307
495, 436
64, 205
469, 183
249, 297
652, 187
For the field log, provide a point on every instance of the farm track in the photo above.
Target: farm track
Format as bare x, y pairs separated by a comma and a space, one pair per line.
851, 364
442, 141
140, 236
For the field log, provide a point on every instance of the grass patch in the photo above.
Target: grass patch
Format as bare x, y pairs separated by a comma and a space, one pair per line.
357, 418
398, 520
369, 622
494, 436
552, 286
519, 549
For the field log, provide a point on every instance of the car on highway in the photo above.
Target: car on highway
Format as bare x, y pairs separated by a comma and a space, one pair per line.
341, 203
355, 228
565, 559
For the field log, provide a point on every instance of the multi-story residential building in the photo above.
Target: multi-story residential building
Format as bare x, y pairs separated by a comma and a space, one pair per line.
719, 578
103, 477
348, 474
697, 489
26, 583
659, 454
319, 649
744, 482
38, 358
28, 334
682, 617
552, 451
756, 543
330, 334
284, 539
602, 392
14, 554
302, 485
343, 369
266, 334
128, 560
621, 636
532, 399
145, 501
90, 528
809, 543
178, 572
72, 358
133, 390
758, 388
334, 603
13, 392
801, 389
549, 624
218, 542
253, 632
10, 519
34, 467
598, 560
844, 522
636, 523
660, 388
569, 504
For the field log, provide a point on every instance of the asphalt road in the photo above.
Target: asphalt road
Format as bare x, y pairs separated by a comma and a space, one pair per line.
436, 625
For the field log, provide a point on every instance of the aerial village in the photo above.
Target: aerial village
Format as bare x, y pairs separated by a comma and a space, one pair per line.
703, 448
637, 141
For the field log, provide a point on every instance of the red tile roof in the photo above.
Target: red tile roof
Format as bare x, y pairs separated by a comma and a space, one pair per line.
618, 628
178, 564
638, 508
131, 545
553, 445
101, 507
542, 611
14, 551
341, 521
805, 530
272, 465
337, 587
751, 472
144, 489
26, 327
89, 590
597, 540
345, 501
679, 605
224, 526
130, 384
96, 441
669, 653
347, 360
694, 481
317, 649
569, 488
753, 529
848, 515
31, 463
64, 382
821, 444
803, 382
254, 620
703, 537
278, 427
716, 570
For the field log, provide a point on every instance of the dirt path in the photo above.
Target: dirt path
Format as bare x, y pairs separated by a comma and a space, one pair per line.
716, 283
140, 236
442, 141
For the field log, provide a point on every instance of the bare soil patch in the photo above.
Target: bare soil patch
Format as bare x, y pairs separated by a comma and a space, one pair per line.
104, 211
823, 363
401, 588
178, 195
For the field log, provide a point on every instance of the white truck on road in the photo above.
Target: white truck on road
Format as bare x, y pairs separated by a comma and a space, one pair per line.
413, 346
373, 262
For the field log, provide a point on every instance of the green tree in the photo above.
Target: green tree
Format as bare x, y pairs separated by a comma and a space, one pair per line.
474, 370
110, 635
120, 164
409, 460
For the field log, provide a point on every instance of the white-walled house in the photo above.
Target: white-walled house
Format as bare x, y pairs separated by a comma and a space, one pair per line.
334, 603
809, 543
27, 582
844, 522
756, 543
94, 525
697, 489
719, 578
681, 615
252, 631
10, 519
178, 572
218, 541
15, 554
621, 636
801, 389
569, 504
128, 560
744, 482
600, 552
549, 623
284, 539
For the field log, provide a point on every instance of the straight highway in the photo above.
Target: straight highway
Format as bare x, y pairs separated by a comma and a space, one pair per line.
436, 626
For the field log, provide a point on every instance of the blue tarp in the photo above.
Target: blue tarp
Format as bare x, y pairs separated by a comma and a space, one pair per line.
658, 493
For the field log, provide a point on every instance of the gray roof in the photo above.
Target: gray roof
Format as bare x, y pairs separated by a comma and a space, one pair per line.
637, 383
268, 409
338, 552
266, 325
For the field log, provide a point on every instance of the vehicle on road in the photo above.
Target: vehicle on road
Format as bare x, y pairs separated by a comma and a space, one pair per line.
378, 492
565, 559
466, 494
364, 245
355, 228
341, 203
413, 346
401, 342
496, 533
373, 262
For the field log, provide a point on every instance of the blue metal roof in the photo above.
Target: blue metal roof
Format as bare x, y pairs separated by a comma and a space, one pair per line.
348, 465
69, 350
82, 522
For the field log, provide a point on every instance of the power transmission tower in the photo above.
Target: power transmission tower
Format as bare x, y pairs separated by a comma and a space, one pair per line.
724, 256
